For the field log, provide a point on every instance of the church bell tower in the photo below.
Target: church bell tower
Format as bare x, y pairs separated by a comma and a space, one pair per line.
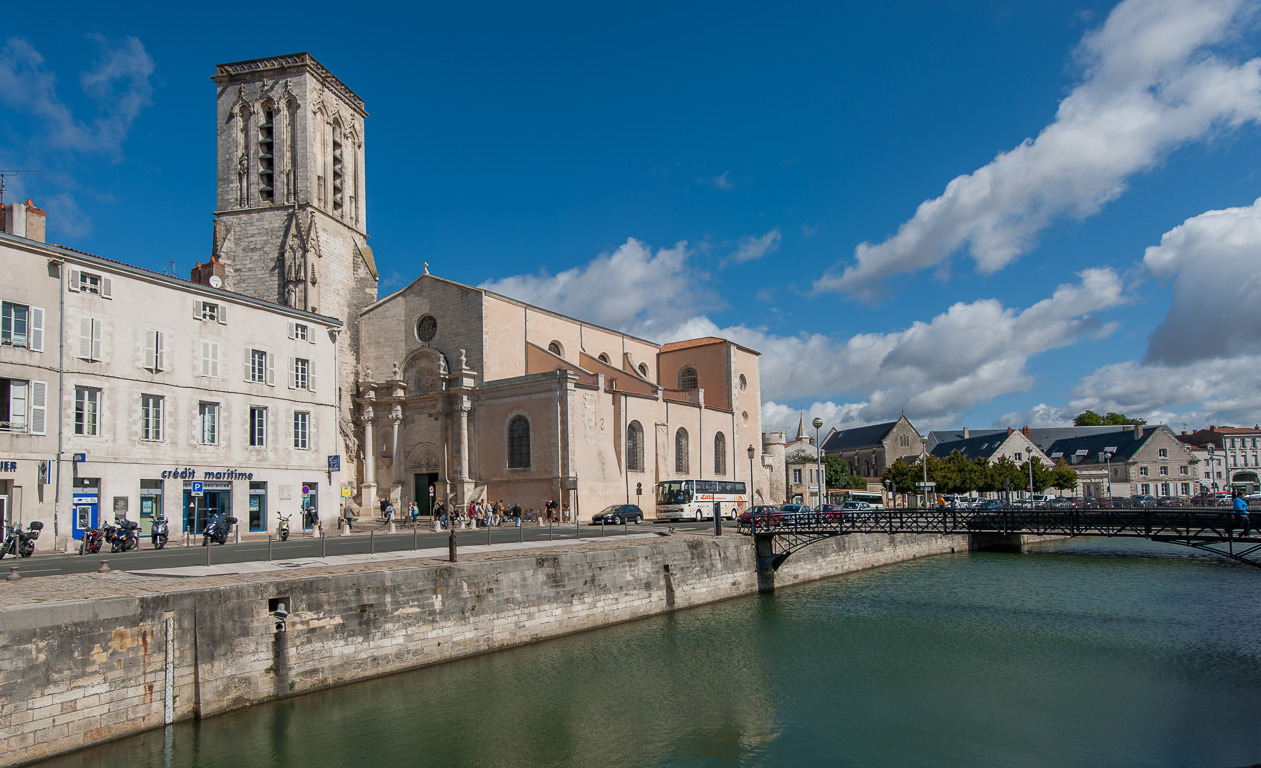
291, 221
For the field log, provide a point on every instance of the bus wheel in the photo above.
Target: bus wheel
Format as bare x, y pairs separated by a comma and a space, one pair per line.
696, 516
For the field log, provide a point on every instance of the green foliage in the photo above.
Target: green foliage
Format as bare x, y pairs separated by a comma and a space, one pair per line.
1063, 477
800, 456
1092, 419
838, 475
904, 476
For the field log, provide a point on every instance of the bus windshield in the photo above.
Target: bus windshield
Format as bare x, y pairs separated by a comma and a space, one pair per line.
674, 492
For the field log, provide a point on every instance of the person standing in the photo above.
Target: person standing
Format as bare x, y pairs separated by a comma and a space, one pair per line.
516, 514
550, 506
348, 514
1241, 509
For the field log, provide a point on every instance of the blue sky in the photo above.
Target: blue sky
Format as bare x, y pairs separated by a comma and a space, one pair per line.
985, 213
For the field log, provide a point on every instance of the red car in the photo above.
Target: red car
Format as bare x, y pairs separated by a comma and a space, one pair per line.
766, 516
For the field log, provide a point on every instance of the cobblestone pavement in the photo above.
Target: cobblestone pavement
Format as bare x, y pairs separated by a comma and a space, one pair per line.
90, 586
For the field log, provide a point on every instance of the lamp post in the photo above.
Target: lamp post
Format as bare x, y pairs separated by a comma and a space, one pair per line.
923, 447
1031, 481
818, 458
1107, 459
752, 523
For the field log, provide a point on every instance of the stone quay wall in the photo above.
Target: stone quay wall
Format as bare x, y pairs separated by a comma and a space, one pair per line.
78, 672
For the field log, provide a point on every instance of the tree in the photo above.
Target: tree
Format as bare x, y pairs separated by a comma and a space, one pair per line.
1042, 476
1092, 419
800, 456
1007, 475
1063, 477
904, 476
838, 474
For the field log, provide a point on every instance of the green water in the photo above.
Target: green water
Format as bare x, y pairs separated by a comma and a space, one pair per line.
1084, 653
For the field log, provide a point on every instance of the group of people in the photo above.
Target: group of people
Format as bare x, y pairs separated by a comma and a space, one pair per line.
478, 514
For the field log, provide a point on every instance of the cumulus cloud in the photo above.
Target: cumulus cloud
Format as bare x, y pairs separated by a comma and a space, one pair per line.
118, 84
1214, 263
722, 181
632, 288
755, 247
1151, 84
1217, 391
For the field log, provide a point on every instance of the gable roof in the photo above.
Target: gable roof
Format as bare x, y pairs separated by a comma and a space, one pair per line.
975, 446
1125, 445
1042, 437
858, 437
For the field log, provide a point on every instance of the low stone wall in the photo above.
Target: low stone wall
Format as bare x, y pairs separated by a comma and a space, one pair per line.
73, 673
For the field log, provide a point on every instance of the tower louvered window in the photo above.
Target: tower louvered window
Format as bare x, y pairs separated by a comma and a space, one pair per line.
267, 157
339, 170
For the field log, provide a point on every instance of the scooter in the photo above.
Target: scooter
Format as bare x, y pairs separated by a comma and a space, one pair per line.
160, 532
126, 536
93, 538
19, 542
282, 528
217, 529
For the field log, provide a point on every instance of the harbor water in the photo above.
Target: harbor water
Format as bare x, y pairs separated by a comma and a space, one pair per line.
1079, 653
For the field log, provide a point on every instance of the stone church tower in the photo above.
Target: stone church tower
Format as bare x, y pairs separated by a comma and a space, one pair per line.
291, 216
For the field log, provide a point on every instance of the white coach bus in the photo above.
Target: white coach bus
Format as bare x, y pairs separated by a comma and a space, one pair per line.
694, 499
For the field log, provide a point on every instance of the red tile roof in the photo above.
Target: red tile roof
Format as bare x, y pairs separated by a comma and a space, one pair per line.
689, 343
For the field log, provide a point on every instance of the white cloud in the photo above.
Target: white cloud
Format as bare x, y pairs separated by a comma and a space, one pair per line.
118, 83
1218, 391
632, 288
722, 181
755, 247
1214, 263
1150, 86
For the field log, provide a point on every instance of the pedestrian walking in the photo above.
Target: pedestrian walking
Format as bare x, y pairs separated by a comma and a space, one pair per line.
348, 514
1241, 509
565, 513
414, 512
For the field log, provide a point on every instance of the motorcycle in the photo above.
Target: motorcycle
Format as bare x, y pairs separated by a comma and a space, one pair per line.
93, 538
20, 543
217, 529
160, 532
282, 528
126, 535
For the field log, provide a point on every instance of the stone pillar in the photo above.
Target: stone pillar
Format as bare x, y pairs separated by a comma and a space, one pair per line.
368, 493
464, 446
396, 438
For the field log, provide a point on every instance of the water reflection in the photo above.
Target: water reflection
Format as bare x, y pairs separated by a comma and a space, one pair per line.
1067, 656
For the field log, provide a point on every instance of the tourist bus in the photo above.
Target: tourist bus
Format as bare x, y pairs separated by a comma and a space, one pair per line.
874, 498
694, 499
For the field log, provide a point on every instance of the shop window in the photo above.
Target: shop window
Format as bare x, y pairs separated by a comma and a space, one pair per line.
258, 506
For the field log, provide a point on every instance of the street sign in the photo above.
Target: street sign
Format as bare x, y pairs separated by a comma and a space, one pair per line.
347, 491
306, 490
80, 457
925, 485
198, 489
334, 463
431, 491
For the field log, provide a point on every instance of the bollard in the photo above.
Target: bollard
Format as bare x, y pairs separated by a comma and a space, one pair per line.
372, 543
602, 527
269, 547
13, 574
207, 545
549, 529
323, 544
488, 535
104, 567
451, 544
415, 538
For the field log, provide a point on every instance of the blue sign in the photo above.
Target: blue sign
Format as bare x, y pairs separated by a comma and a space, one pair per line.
80, 457
334, 463
197, 488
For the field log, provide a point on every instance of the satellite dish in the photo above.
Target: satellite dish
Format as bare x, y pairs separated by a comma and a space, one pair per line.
216, 281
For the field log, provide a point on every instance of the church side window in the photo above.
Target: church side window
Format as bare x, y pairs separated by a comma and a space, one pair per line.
519, 443
720, 454
688, 379
681, 462
635, 447
266, 156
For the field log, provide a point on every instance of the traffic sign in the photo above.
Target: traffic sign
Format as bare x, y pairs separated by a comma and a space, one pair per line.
431, 490
347, 491
306, 490
334, 463
197, 489
926, 485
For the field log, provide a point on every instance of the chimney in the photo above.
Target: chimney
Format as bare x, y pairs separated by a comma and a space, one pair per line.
203, 274
965, 433
24, 220
1138, 431
1025, 431
1009, 431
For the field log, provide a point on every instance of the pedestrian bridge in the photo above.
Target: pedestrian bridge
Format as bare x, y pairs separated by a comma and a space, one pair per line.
1209, 529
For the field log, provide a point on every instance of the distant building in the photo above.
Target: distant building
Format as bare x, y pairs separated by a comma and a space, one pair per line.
1013, 444
1138, 460
871, 449
1236, 451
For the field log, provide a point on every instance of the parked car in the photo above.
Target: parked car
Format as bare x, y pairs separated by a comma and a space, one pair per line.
1099, 502
792, 510
1064, 502
766, 515
1142, 500
617, 514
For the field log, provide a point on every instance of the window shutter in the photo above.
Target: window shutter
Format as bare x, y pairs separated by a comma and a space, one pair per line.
96, 340
214, 359
271, 370
37, 329
107, 288
291, 331
72, 282
310, 334
39, 407
85, 338
151, 343
205, 358
196, 309
293, 373
310, 375
223, 315
160, 349
249, 363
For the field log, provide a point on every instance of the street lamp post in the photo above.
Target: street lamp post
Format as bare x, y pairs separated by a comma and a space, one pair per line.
752, 523
818, 458
1107, 459
923, 446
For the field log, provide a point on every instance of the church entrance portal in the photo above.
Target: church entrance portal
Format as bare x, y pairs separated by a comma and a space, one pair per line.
423, 481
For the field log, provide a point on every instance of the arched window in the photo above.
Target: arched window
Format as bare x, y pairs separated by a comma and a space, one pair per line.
687, 378
643, 370
681, 463
635, 447
720, 454
604, 358
556, 349
519, 443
